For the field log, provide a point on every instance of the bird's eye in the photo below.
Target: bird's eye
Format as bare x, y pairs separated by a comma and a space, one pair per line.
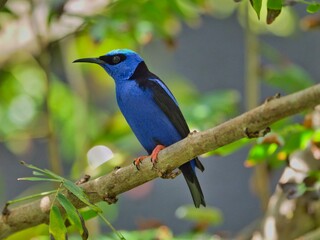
113, 59
116, 59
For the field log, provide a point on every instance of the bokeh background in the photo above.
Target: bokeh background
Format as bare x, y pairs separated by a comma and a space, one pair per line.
218, 59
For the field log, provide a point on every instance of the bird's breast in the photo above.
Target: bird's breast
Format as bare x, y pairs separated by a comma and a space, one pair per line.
146, 119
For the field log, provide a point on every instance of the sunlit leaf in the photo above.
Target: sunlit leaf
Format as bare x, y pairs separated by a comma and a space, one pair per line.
313, 8
230, 148
39, 232
256, 4
79, 193
38, 179
208, 215
260, 152
88, 213
72, 213
57, 228
273, 10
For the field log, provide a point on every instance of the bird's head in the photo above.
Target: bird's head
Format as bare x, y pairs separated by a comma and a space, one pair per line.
120, 64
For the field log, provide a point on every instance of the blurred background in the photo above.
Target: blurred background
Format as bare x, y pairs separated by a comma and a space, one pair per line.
216, 56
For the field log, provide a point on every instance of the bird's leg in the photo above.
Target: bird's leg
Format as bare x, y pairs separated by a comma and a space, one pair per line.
137, 161
155, 152
153, 155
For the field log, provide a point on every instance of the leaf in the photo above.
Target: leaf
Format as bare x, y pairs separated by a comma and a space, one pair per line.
78, 192
259, 153
229, 148
289, 78
88, 213
119, 234
273, 10
72, 213
256, 4
313, 8
57, 229
207, 215
38, 179
43, 172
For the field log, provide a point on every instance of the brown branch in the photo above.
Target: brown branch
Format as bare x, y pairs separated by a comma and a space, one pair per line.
126, 178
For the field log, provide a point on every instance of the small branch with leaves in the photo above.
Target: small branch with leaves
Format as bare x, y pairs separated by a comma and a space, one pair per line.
106, 188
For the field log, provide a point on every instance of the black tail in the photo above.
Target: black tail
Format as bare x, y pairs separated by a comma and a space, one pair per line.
193, 184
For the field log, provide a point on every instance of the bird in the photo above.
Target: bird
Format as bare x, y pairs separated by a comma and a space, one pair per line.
150, 109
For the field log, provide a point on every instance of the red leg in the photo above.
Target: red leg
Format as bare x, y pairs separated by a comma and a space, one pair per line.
137, 161
154, 156
155, 152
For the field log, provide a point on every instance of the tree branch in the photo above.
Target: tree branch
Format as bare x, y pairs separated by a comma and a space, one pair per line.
121, 180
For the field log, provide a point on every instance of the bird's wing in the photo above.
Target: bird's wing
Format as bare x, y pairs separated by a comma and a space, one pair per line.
168, 104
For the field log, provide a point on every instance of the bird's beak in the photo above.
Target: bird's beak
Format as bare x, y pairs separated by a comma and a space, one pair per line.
89, 60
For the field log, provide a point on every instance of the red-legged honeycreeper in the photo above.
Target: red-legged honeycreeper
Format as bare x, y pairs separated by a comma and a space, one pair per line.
150, 109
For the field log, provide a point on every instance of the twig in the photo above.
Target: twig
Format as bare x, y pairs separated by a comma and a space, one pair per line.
126, 178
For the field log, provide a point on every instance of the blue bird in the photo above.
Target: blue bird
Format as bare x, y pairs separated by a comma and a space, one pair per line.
150, 109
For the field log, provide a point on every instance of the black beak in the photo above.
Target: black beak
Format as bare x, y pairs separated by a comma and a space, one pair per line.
89, 60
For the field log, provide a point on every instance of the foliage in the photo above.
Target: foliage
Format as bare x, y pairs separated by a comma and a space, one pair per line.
39, 98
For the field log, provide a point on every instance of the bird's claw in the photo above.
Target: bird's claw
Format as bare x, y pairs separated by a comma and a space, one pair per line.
138, 161
153, 157
155, 152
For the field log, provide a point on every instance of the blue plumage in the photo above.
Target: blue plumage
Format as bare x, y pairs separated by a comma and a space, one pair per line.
149, 108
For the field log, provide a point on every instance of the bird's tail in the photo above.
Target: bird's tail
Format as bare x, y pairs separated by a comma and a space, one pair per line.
193, 184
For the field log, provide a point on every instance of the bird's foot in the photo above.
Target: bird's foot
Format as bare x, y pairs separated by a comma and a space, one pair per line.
138, 161
153, 156
155, 152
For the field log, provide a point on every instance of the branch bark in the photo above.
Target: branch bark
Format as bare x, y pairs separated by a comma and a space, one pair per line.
121, 180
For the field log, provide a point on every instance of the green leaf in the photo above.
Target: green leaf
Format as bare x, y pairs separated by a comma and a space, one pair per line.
119, 235
290, 78
88, 213
275, 4
42, 172
260, 152
57, 229
256, 4
72, 213
208, 215
230, 148
273, 10
313, 8
38, 179
78, 192
36, 173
